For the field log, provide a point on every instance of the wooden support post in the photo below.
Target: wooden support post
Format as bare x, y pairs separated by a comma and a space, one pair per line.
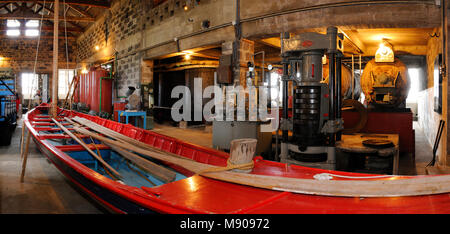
87, 148
54, 104
22, 138
242, 152
25, 157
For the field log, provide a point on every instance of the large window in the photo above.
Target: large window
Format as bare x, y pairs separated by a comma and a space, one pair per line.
414, 89
29, 85
65, 77
14, 28
31, 28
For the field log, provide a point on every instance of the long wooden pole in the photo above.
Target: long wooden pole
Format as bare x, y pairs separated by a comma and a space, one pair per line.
86, 147
25, 156
54, 105
68, 93
154, 169
115, 135
391, 187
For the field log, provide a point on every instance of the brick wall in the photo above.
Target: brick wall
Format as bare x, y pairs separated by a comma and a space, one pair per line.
20, 52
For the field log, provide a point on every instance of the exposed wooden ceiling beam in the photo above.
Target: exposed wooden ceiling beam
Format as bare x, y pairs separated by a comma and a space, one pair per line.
81, 12
46, 29
32, 38
91, 3
24, 12
10, 10
272, 42
38, 17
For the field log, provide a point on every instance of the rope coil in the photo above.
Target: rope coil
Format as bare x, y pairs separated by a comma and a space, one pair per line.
329, 176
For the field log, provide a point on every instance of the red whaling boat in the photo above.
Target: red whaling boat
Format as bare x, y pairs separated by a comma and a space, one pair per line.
193, 193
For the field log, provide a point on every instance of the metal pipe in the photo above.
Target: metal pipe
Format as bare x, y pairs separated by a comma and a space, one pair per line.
332, 34
285, 77
353, 77
285, 99
360, 74
338, 92
332, 95
444, 37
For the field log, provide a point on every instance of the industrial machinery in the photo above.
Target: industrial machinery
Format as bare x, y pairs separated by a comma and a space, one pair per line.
8, 105
316, 121
133, 100
93, 94
346, 82
224, 131
385, 84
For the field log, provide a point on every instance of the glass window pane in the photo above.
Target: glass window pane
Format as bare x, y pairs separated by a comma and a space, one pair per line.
32, 23
13, 32
29, 84
12, 23
414, 89
64, 79
31, 32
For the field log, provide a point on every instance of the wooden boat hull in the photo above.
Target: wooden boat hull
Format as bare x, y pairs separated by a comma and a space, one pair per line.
197, 194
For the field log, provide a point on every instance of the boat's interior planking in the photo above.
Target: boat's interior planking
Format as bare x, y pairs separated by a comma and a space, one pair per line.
132, 175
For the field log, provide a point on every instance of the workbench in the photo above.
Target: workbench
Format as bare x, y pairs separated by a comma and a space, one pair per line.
133, 114
353, 144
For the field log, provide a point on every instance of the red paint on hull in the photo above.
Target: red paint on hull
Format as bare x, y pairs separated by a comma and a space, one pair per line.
198, 194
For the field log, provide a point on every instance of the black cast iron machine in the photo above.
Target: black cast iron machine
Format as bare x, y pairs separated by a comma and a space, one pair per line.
316, 120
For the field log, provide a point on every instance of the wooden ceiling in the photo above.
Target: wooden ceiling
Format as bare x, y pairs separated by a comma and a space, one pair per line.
79, 14
406, 41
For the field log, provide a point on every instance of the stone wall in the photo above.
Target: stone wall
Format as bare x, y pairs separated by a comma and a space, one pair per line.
116, 33
134, 30
429, 119
19, 53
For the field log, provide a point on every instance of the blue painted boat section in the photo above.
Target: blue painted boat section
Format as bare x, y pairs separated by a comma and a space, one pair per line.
129, 176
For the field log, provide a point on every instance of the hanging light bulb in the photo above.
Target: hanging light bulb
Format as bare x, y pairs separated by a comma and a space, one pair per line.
385, 52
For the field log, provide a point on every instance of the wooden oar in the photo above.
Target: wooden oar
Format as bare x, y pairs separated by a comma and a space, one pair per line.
25, 155
117, 136
87, 148
154, 169
68, 92
392, 187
